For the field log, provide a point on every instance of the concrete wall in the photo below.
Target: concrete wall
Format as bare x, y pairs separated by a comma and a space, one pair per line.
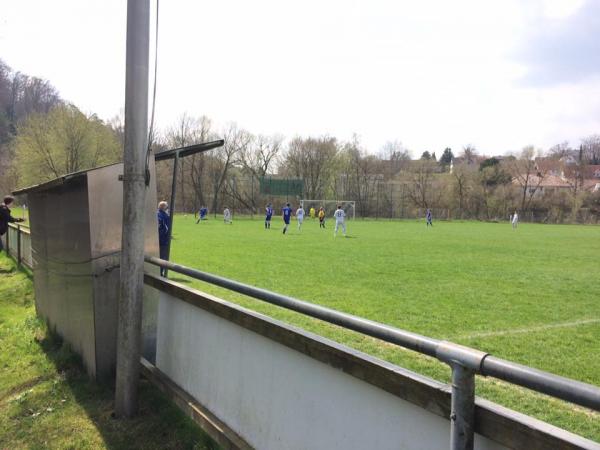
275, 397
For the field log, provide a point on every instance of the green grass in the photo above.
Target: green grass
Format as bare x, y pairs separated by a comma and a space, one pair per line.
46, 401
531, 295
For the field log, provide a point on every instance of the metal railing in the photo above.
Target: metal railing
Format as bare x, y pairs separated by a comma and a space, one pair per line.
465, 362
17, 241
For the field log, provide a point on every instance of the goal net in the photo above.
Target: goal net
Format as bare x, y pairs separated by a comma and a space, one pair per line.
349, 207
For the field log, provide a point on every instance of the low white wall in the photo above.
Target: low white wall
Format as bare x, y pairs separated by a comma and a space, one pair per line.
277, 398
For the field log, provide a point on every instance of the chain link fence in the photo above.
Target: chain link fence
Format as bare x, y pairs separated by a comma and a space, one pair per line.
379, 200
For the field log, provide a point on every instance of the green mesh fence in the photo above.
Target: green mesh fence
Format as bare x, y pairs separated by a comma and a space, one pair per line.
281, 186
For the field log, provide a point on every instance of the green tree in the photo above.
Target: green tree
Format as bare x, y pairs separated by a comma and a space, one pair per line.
490, 162
446, 157
426, 155
62, 141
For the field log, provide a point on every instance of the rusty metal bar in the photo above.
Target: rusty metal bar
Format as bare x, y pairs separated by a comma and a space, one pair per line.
188, 150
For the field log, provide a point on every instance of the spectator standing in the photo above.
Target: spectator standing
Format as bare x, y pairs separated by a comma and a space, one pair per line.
164, 224
6, 217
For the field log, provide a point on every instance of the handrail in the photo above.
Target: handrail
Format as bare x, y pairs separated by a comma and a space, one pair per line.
18, 254
573, 391
23, 228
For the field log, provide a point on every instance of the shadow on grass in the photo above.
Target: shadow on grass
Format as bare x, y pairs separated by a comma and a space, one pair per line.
13, 268
180, 280
159, 424
55, 404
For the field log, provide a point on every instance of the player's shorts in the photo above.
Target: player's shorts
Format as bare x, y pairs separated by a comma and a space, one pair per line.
287, 222
268, 218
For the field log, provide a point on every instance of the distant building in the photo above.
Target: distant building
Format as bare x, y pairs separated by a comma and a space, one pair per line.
564, 174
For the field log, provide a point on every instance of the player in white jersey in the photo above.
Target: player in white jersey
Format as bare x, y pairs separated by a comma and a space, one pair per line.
515, 220
227, 216
300, 217
339, 216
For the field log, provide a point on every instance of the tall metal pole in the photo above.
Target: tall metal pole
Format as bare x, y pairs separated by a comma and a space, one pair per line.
402, 203
233, 191
172, 206
391, 201
134, 199
377, 208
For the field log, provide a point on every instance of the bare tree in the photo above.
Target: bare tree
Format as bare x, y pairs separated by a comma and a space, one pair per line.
198, 162
188, 131
460, 174
559, 151
311, 159
523, 171
260, 158
364, 174
395, 158
421, 190
469, 154
237, 141
574, 175
591, 149
117, 124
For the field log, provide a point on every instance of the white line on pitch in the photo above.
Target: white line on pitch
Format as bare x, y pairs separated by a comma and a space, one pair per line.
532, 329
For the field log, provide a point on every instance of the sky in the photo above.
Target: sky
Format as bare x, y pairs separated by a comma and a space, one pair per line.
430, 74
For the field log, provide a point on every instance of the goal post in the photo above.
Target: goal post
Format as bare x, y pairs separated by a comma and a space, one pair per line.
349, 207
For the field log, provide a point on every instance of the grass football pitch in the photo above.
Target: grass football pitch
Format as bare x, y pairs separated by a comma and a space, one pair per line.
530, 295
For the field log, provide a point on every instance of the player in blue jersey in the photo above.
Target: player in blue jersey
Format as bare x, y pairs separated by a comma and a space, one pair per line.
268, 215
429, 218
287, 215
202, 214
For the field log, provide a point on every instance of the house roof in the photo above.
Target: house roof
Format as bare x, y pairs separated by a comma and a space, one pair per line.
590, 171
548, 181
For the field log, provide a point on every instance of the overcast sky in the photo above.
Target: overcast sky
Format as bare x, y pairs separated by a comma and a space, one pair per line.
431, 73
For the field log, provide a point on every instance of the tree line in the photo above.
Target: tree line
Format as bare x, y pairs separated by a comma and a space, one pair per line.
43, 137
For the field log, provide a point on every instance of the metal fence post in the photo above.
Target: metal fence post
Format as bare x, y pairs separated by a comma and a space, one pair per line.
19, 245
462, 415
172, 207
391, 200
377, 195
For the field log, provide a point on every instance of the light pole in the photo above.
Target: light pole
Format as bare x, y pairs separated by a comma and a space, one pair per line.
134, 200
